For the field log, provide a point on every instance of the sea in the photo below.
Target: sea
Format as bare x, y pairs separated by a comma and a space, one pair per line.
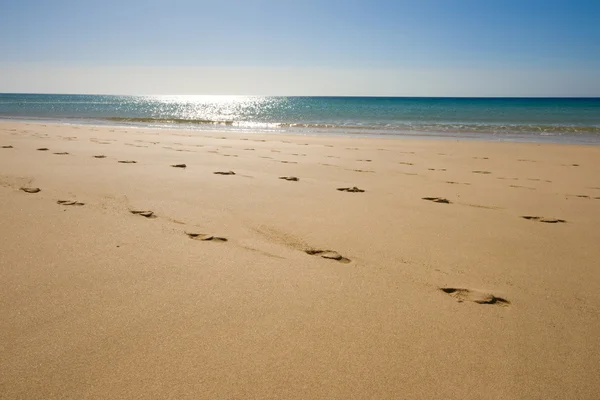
562, 120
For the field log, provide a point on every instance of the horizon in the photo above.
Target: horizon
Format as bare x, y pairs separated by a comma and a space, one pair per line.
384, 48
304, 96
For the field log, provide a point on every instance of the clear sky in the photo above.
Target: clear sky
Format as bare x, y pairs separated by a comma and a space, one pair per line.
302, 47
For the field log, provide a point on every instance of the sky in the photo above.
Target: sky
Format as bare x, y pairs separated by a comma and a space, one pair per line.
302, 47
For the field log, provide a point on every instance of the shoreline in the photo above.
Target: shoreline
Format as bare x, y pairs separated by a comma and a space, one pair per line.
469, 264
570, 139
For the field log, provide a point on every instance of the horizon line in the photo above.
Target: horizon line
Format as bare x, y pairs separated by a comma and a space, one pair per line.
322, 96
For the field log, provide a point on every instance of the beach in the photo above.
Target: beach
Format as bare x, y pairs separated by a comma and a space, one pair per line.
419, 279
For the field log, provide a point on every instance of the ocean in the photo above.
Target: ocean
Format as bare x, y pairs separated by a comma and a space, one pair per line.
572, 120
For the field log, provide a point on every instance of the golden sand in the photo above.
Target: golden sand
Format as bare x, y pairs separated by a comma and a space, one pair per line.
292, 267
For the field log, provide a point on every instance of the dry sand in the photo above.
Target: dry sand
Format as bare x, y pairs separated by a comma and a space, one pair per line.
408, 298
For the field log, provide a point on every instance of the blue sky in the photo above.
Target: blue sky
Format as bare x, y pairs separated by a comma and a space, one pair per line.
420, 47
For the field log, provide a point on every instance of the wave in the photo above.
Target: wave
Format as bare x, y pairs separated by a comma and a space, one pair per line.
150, 120
370, 127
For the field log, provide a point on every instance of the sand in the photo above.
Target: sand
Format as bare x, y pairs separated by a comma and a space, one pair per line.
231, 283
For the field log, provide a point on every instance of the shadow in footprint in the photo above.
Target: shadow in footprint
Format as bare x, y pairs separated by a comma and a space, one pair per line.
224, 173
178, 165
482, 172
69, 203
205, 237
543, 219
475, 296
353, 189
128, 162
144, 213
290, 178
31, 189
437, 200
328, 254
7, 147
42, 149
100, 156
62, 153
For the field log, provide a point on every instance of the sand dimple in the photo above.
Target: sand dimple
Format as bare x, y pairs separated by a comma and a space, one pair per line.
31, 189
144, 213
328, 254
69, 203
437, 200
205, 237
543, 219
475, 296
353, 189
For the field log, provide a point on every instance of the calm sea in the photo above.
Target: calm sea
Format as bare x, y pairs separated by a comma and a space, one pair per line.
575, 120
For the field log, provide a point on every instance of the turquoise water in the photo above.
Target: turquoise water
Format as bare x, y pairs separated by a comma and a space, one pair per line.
554, 119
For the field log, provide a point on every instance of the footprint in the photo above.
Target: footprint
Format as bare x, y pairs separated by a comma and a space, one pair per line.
144, 213
7, 147
288, 162
362, 170
404, 163
224, 173
31, 189
42, 149
481, 158
63, 153
100, 156
205, 237
328, 254
475, 296
436, 169
128, 162
353, 189
525, 160
69, 203
289, 178
365, 160
457, 183
482, 172
543, 219
437, 200
178, 165
521, 187
570, 165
